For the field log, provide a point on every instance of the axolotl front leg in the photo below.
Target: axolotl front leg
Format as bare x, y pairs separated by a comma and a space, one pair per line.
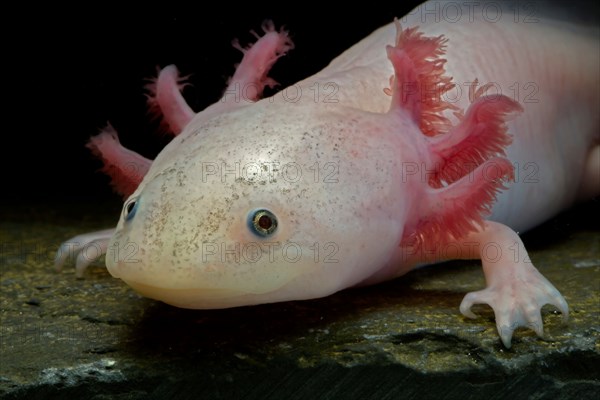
515, 289
127, 168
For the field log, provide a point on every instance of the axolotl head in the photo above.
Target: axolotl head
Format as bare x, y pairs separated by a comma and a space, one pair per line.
259, 205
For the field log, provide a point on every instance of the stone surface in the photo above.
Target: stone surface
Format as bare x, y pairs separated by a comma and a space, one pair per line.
62, 337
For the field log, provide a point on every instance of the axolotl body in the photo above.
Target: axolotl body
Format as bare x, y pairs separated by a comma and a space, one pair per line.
415, 153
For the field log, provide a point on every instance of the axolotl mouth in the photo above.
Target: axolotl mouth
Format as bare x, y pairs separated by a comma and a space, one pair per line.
199, 297
189, 297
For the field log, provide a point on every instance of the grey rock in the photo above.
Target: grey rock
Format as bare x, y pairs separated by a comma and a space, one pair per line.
95, 338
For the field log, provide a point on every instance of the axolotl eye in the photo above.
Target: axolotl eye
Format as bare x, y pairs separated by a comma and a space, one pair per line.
262, 222
130, 208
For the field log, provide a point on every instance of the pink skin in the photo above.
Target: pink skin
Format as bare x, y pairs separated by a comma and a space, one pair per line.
125, 167
165, 99
250, 76
468, 168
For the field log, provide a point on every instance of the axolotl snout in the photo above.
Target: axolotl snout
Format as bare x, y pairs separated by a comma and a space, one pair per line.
383, 168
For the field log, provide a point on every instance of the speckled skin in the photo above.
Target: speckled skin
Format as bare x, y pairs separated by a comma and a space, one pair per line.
313, 175
330, 164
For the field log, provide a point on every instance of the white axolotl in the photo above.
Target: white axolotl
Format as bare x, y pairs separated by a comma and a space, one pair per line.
402, 152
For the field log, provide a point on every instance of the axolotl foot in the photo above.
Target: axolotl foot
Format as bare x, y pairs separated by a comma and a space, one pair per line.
518, 303
515, 290
86, 248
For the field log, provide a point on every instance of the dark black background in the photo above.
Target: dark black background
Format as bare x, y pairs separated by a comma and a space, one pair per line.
71, 71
